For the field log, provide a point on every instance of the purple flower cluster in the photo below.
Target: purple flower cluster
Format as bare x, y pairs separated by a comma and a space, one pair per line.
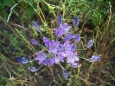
57, 51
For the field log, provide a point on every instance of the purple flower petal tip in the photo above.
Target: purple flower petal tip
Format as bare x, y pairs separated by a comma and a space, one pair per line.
95, 58
77, 38
59, 20
35, 24
76, 22
90, 43
22, 60
75, 65
34, 41
32, 69
65, 74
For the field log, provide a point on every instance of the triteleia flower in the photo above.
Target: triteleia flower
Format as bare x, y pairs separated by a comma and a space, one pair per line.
58, 58
68, 37
67, 46
76, 22
34, 41
49, 61
46, 41
40, 56
75, 65
22, 60
35, 24
54, 46
32, 69
74, 47
72, 57
65, 74
59, 20
62, 29
95, 58
77, 38
90, 43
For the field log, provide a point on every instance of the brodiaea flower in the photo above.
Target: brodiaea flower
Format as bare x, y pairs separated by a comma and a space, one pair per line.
35, 24
72, 57
32, 69
33, 41
62, 29
59, 20
54, 46
65, 74
90, 43
94, 58
46, 41
40, 56
58, 58
75, 65
49, 61
22, 60
77, 38
68, 37
76, 22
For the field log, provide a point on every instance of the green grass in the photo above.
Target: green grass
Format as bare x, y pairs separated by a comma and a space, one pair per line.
16, 30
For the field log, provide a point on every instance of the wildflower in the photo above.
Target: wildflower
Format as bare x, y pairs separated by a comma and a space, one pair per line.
65, 74
77, 38
59, 20
94, 58
68, 37
40, 56
46, 41
32, 69
75, 65
54, 46
35, 24
67, 46
49, 61
58, 58
76, 22
90, 43
72, 57
22, 60
74, 47
33, 41
62, 29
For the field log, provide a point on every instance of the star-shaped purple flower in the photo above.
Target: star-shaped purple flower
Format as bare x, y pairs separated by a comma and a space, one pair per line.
72, 57
62, 29
40, 56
